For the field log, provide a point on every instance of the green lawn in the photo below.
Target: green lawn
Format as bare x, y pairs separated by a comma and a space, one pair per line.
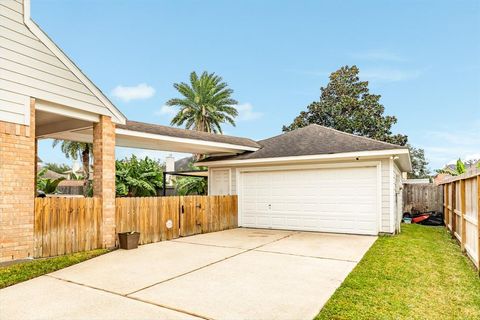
12, 274
419, 274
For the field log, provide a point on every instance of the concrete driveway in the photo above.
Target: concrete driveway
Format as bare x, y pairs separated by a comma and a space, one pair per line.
233, 274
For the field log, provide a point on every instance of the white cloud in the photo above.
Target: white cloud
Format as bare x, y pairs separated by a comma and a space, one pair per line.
378, 55
389, 74
166, 111
445, 145
139, 92
246, 113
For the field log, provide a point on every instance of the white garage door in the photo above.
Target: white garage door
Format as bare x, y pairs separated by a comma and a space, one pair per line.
329, 200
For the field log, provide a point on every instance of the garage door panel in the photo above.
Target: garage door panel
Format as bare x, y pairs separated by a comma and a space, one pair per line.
329, 200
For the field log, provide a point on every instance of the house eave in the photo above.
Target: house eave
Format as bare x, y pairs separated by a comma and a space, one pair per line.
402, 154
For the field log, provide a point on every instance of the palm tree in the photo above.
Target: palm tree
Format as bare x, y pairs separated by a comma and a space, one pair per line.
206, 103
75, 150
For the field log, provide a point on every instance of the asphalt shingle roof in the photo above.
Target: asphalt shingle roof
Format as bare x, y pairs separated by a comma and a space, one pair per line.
311, 140
187, 134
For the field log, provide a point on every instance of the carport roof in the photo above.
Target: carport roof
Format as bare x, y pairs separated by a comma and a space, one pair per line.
186, 134
311, 140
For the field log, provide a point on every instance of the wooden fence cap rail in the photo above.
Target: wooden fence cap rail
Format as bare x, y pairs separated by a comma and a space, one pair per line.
471, 173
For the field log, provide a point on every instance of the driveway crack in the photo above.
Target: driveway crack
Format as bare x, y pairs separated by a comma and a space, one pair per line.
212, 263
132, 298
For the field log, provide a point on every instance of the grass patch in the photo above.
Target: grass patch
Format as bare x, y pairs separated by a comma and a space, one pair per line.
12, 274
418, 274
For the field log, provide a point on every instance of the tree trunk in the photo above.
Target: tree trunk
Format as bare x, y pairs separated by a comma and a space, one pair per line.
86, 169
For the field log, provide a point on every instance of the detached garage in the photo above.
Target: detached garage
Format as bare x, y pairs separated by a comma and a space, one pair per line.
315, 179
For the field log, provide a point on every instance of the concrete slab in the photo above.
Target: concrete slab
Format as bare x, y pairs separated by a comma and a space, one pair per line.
254, 285
48, 298
241, 238
323, 245
125, 271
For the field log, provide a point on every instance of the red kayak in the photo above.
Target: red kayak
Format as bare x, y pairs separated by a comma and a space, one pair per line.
420, 218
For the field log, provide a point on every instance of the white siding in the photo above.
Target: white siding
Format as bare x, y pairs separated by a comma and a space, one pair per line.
29, 68
220, 182
233, 177
399, 197
386, 201
14, 107
386, 197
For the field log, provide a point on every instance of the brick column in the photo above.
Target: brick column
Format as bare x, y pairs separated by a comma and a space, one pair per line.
104, 175
17, 189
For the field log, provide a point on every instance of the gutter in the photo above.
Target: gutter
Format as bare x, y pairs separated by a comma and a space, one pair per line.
333, 156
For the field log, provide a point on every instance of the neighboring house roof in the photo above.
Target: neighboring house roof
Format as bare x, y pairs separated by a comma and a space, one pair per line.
71, 183
186, 134
183, 164
49, 174
311, 140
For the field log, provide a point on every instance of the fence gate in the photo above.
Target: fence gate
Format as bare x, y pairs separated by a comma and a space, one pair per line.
191, 211
202, 214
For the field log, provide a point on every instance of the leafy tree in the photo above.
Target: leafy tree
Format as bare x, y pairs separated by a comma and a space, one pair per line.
346, 104
138, 178
206, 103
47, 185
75, 150
191, 185
55, 167
419, 164
457, 170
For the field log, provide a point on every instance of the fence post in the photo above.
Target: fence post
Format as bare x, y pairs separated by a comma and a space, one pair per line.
463, 234
445, 204
454, 207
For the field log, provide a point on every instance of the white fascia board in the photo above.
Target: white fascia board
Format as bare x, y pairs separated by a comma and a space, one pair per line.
45, 39
66, 111
404, 162
198, 142
333, 156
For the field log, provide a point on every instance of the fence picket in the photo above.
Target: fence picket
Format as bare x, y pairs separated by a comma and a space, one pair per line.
66, 225
462, 202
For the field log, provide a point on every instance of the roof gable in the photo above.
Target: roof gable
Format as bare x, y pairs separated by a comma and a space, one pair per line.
83, 92
313, 140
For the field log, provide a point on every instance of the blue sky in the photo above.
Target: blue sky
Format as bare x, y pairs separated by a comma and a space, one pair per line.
423, 57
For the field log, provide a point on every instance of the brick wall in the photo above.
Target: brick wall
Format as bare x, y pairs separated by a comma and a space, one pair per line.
104, 175
17, 188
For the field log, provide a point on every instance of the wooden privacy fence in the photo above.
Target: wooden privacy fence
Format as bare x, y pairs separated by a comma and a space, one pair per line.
462, 211
66, 225
422, 197
189, 215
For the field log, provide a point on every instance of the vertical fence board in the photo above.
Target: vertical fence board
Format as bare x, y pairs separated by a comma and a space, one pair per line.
462, 212
478, 222
66, 225
463, 235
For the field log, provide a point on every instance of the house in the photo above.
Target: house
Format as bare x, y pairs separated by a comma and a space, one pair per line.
315, 179
309, 179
